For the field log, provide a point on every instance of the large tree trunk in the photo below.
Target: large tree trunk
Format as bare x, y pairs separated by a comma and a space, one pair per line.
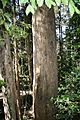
44, 63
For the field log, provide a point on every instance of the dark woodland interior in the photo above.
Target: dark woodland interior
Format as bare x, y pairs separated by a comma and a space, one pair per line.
1, 110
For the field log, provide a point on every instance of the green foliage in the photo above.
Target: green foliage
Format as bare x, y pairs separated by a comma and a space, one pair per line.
40, 2
4, 2
71, 7
58, 2
68, 99
49, 3
65, 2
2, 83
30, 9
15, 24
5, 19
23, 1
17, 32
33, 4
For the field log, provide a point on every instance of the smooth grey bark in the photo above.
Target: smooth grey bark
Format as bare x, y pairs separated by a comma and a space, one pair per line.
45, 80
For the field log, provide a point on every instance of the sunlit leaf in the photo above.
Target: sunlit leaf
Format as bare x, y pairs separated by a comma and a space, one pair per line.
4, 2
33, 3
49, 3
1, 11
29, 9
40, 2
71, 7
7, 15
58, 2
1, 21
65, 2
6, 26
76, 9
23, 1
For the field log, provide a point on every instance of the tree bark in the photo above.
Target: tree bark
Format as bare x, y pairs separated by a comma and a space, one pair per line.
4, 96
10, 81
44, 63
18, 102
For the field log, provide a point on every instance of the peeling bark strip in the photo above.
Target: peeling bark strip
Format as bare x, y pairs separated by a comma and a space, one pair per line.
44, 63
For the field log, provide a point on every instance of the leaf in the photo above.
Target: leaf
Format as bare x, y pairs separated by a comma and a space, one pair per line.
78, 46
33, 3
23, 1
2, 83
49, 3
29, 9
53, 3
40, 2
1, 12
4, 2
1, 21
76, 10
7, 15
71, 7
65, 2
6, 26
58, 2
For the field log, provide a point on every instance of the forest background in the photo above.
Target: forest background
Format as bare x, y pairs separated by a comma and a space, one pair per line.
16, 60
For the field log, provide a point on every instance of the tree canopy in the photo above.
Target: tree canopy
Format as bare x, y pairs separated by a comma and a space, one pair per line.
33, 4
